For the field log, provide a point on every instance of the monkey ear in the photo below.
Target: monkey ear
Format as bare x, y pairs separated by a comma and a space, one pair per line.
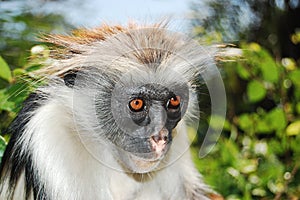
69, 78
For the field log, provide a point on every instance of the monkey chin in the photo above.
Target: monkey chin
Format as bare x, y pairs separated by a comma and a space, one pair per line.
140, 164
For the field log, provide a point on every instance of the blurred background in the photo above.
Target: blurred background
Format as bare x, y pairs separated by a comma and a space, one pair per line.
258, 153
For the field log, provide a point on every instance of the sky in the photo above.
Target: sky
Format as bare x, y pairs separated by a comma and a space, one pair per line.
90, 13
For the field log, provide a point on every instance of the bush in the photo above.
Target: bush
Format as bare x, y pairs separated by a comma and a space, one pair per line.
16, 85
258, 154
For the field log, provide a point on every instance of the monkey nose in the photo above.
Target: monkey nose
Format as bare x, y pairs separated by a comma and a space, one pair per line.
159, 141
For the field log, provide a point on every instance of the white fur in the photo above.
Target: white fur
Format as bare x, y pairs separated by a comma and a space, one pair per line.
71, 172
65, 157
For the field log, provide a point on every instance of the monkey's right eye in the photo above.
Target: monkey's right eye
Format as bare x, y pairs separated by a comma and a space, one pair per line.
136, 105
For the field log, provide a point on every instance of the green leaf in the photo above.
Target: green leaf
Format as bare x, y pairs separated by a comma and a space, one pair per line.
298, 107
5, 72
269, 69
19, 71
245, 122
242, 72
276, 119
262, 127
295, 77
256, 91
4, 103
254, 47
16, 94
3, 144
293, 128
275, 146
295, 146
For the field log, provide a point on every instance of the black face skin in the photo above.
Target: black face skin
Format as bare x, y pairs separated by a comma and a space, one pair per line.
136, 134
154, 94
145, 118
155, 114
70, 78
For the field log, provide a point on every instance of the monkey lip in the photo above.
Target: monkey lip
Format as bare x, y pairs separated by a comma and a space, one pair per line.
154, 158
145, 165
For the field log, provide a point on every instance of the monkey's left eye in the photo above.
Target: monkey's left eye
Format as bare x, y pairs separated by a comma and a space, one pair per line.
136, 105
174, 102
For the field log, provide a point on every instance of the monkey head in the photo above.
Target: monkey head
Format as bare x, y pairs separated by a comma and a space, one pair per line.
133, 89
137, 114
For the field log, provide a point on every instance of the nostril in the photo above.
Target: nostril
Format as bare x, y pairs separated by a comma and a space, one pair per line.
162, 136
159, 141
156, 138
165, 138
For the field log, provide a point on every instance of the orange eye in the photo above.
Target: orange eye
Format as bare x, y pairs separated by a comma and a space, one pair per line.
136, 105
174, 102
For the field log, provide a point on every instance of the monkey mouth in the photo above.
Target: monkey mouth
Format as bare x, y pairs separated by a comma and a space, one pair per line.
143, 165
147, 162
150, 155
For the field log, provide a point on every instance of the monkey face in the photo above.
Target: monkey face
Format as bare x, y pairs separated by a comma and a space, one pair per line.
137, 113
149, 114
138, 94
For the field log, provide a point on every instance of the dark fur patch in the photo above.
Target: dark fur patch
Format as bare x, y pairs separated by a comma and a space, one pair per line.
15, 160
69, 79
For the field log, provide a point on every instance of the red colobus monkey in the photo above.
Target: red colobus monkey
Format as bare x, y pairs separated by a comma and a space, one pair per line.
110, 122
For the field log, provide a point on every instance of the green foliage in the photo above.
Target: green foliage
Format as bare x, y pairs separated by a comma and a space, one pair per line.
2, 146
18, 84
19, 32
5, 70
258, 154
256, 91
